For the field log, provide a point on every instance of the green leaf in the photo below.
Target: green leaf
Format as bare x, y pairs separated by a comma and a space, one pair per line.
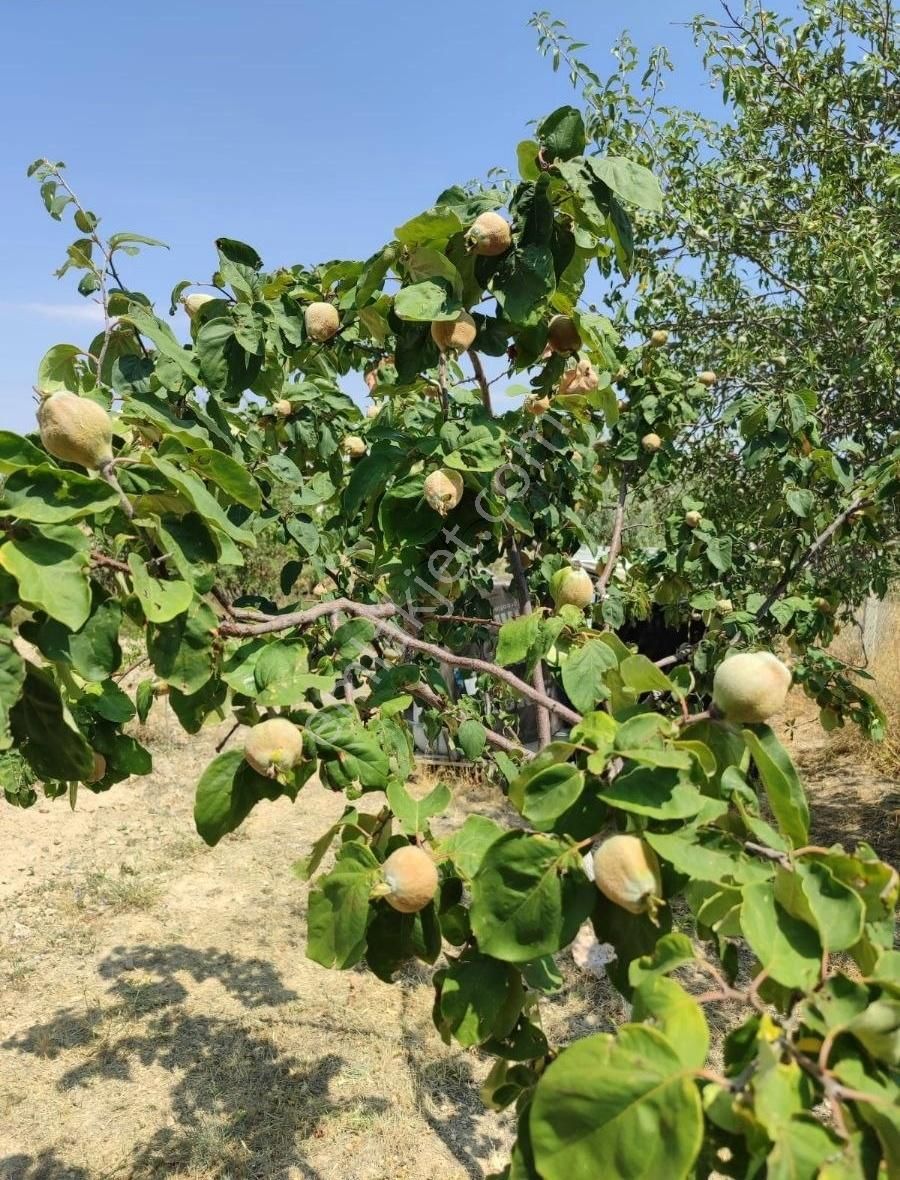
181, 651
232, 477
783, 787
39, 713
12, 677
788, 948
583, 672
471, 736
632, 182
16, 452
164, 339
545, 796
475, 995
49, 495
412, 813
467, 846
117, 241
516, 639
814, 895
800, 1149
671, 951
640, 675
206, 504
562, 134
58, 369
434, 225
281, 675
339, 909
160, 601
657, 792
338, 734
621, 1107
425, 302
677, 1015
227, 792
50, 571
523, 905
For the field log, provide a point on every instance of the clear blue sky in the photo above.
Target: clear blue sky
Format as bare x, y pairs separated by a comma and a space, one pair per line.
309, 130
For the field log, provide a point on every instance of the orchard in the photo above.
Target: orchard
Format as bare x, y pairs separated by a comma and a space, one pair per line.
540, 380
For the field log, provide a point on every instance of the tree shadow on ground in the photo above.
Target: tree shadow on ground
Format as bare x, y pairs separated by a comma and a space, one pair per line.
239, 1106
448, 1099
842, 815
45, 1166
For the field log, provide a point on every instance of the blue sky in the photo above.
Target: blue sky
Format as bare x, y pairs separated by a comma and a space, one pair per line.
309, 130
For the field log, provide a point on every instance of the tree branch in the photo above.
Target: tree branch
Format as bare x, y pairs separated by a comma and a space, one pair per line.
378, 615
615, 541
481, 378
819, 543
537, 676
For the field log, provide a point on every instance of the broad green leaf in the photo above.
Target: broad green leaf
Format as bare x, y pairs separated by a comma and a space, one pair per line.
58, 369
435, 225
632, 182
788, 949
671, 951
562, 134
160, 601
50, 495
620, 1106
641, 675
16, 452
475, 995
801, 1149
523, 905
583, 672
545, 796
12, 677
337, 733
45, 733
783, 787
281, 675
413, 813
676, 1014
51, 573
232, 477
659, 793
202, 500
425, 302
181, 650
339, 909
468, 844
227, 792
813, 894
163, 338
516, 639
471, 736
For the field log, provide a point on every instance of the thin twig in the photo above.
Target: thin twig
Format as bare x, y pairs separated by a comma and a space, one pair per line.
481, 378
615, 541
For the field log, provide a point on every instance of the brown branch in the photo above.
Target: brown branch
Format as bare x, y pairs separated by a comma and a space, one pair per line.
481, 378
427, 694
615, 541
474, 619
819, 543
378, 615
112, 563
537, 676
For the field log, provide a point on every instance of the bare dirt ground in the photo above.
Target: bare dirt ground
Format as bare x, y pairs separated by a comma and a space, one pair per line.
159, 1017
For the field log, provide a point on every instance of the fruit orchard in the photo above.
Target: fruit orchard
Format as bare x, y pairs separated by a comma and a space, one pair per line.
512, 420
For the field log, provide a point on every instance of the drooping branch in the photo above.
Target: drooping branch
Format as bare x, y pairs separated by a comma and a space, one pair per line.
378, 614
481, 378
615, 541
810, 553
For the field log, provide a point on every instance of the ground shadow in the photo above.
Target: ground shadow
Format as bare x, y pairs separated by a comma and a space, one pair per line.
840, 815
239, 1106
451, 1086
45, 1166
